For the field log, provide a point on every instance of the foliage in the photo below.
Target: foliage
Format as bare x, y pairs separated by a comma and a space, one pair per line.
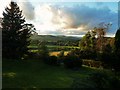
72, 61
61, 56
92, 63
52, 60
87, 45
106, 56
87, 54
43, 50
117, 41
100, 32
110, 56
15, 33
88, 41
116, 63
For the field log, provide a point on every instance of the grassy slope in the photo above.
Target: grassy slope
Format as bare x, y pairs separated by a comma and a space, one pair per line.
54, 38
35, 74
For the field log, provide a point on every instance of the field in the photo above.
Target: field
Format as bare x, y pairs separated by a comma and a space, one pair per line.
56, 53
36, 74
54, 50
54, 47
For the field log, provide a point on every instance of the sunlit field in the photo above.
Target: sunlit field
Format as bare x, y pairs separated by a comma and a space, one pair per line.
54, 53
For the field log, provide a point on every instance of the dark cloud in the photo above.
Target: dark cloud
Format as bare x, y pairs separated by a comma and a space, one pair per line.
84, 15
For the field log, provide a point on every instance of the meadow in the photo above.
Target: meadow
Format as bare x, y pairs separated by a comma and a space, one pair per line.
36, 74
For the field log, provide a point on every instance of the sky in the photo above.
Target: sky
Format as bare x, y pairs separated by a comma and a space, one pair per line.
59, 17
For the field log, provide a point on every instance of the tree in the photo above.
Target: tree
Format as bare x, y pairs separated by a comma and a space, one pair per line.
87, 45
117, 41
43, 50
15, 33
101, 32
116, 62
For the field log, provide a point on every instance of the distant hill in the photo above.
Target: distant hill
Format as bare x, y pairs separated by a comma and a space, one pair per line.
51, 38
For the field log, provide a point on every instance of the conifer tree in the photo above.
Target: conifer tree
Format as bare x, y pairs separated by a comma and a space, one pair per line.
117, 40
15, 33
116, 61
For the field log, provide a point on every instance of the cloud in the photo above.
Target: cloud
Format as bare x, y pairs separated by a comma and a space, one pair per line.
77, 19
27, 8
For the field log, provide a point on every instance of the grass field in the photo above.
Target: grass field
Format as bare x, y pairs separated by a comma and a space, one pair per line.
36, 74
56, 53
54, 47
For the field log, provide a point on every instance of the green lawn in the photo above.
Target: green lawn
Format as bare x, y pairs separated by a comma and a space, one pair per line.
36, 74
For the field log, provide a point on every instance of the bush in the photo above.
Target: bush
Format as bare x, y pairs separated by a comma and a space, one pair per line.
116, 63
92, 63
87, 54
51, 60
72, 61
33, 55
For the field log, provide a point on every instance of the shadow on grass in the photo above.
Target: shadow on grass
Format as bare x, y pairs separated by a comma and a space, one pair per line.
36, 74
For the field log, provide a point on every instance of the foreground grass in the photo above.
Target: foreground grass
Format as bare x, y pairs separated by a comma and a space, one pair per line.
36, 74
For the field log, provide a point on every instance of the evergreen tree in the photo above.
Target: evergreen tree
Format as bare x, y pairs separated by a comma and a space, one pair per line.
15, 33
116, 61
117, 40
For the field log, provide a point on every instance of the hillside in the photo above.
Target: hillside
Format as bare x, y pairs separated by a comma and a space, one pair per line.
51, 38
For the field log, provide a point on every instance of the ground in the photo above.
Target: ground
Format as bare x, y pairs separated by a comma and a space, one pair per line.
36, 74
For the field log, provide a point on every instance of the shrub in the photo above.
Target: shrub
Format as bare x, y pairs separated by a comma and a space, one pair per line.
72, 61
87, 54
43, 51
115, 63
92, 63
32, 55
51, 60
61, 56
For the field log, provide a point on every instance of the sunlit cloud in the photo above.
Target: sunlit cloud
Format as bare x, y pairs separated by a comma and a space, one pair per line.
77, 19
27, 9
69, 18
